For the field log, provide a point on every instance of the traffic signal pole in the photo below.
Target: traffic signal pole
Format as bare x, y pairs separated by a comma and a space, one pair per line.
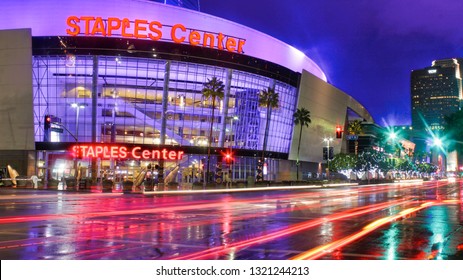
328, 160
328, 154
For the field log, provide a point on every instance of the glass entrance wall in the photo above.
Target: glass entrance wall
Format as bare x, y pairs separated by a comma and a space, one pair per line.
184, 173
130, 95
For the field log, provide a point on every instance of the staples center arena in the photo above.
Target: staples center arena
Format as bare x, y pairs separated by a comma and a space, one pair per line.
113, 86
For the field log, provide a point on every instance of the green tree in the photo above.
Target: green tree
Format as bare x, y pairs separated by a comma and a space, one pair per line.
301, 117
213, 89
369, 159
342, 162
269, 99
355, 128
385, 165
426, 168
405, 165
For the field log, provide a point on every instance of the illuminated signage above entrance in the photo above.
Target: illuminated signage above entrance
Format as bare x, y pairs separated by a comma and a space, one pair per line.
153, 30
122, 152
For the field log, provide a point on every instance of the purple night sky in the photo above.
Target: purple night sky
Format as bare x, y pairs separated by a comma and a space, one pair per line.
366, 48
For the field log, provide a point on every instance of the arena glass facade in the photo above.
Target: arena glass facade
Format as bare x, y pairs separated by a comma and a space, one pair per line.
133, 91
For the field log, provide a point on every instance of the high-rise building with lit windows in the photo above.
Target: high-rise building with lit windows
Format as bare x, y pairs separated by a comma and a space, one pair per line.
436, 91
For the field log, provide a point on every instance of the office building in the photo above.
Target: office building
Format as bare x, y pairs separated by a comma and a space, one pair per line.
436, 91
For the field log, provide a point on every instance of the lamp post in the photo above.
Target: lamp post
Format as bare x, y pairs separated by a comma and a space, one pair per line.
437, 142
438, 145
193, 173
328, 140
394, 139
234, 118
77, 106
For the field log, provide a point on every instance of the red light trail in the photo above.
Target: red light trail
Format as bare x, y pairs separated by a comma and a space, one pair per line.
322, 250
228, 209
292, 230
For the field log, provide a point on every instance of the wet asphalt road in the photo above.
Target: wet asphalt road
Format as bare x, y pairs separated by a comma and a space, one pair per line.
387, 222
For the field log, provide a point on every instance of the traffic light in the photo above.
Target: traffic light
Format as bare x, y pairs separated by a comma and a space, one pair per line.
338, 131
47, 122
47, 128
226, 156
328, 153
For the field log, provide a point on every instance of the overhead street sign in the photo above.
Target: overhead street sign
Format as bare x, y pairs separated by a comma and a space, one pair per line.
57, 129
352, 137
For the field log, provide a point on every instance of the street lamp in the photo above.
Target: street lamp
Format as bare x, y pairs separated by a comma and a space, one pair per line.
234, 118
437, 142
328, 140
394, 137
193, 174
438, 150
78, 106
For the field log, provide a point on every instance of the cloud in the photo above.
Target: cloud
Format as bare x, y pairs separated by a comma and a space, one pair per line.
367, 48
439, 18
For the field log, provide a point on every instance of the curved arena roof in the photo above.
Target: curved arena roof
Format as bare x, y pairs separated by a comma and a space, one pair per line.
62, 18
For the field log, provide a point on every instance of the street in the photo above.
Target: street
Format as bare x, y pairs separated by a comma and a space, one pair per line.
387, 222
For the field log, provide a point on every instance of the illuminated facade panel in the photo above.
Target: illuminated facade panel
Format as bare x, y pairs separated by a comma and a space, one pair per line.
130, 103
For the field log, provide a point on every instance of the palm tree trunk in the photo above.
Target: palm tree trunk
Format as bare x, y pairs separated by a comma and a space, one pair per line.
210, 141
297, 160
264, 148
264, 145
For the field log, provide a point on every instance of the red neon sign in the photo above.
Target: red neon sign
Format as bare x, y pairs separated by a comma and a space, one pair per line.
122, 152
153, 30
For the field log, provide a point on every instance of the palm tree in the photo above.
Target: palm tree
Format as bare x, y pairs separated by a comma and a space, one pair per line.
355, 128
302, 117
213, 89
267, 98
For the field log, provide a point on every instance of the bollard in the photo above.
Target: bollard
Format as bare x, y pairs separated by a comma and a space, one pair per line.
35, 181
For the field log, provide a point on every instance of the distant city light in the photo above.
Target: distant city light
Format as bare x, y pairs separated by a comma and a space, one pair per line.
437, 142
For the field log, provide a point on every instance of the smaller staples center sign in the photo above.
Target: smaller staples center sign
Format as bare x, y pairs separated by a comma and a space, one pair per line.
151, 30
123, 152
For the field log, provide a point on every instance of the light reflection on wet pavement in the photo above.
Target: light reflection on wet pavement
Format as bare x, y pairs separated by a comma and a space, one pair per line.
257, 225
